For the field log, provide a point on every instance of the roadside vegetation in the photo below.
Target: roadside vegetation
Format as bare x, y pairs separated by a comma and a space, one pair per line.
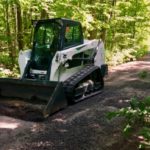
136, 116
137, 120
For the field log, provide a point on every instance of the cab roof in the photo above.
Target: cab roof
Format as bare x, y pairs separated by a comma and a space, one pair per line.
63, 21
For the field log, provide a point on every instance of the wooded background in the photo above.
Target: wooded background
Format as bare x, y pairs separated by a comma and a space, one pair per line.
123, 25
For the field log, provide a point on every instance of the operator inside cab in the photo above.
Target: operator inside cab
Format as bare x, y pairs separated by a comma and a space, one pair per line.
46, 39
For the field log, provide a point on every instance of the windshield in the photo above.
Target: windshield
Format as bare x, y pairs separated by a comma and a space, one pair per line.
46, 39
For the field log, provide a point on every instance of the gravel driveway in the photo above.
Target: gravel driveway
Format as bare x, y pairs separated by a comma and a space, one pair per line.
83, 126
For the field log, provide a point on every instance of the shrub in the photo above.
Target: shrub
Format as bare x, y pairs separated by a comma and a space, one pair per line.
137, 116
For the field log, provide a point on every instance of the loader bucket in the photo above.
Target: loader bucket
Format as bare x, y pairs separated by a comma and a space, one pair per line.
29, 99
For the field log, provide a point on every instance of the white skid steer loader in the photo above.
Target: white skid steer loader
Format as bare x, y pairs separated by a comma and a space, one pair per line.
62, 68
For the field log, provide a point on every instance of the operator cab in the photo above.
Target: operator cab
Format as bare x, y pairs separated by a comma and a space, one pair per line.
50, 36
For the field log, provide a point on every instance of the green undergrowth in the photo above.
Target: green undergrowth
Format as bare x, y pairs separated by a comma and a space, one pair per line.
117, 57
137, 118
143, 74
7, 68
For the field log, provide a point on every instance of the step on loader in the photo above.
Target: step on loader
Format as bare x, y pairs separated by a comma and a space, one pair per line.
61, 68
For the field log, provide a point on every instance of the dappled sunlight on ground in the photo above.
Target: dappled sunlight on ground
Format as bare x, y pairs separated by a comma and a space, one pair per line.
124, 101
131, 66
59, 120
66, 119
37, 127
8, 123
124, 75
77, 115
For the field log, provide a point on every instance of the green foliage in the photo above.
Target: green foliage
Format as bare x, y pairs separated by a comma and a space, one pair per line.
143, 74
144, 134
120, 56
7, 69
122, 25
137, 115
5, 59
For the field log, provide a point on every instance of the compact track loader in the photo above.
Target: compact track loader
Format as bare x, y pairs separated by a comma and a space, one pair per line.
62, 68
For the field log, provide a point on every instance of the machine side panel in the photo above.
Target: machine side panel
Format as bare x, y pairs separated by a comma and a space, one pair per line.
24, 57
60, 70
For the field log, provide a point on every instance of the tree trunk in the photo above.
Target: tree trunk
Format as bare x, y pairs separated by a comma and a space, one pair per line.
134, 23
19, 26
112, 17
14, 30
103, 35
43, 14
8, 33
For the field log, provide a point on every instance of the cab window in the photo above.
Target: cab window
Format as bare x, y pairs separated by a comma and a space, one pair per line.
72, 36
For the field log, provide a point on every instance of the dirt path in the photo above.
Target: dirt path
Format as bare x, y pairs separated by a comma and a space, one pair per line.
83, 126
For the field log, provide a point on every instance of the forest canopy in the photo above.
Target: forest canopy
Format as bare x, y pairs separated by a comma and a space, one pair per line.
123, 25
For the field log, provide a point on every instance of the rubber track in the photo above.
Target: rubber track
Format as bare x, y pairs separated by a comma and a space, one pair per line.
71, 82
